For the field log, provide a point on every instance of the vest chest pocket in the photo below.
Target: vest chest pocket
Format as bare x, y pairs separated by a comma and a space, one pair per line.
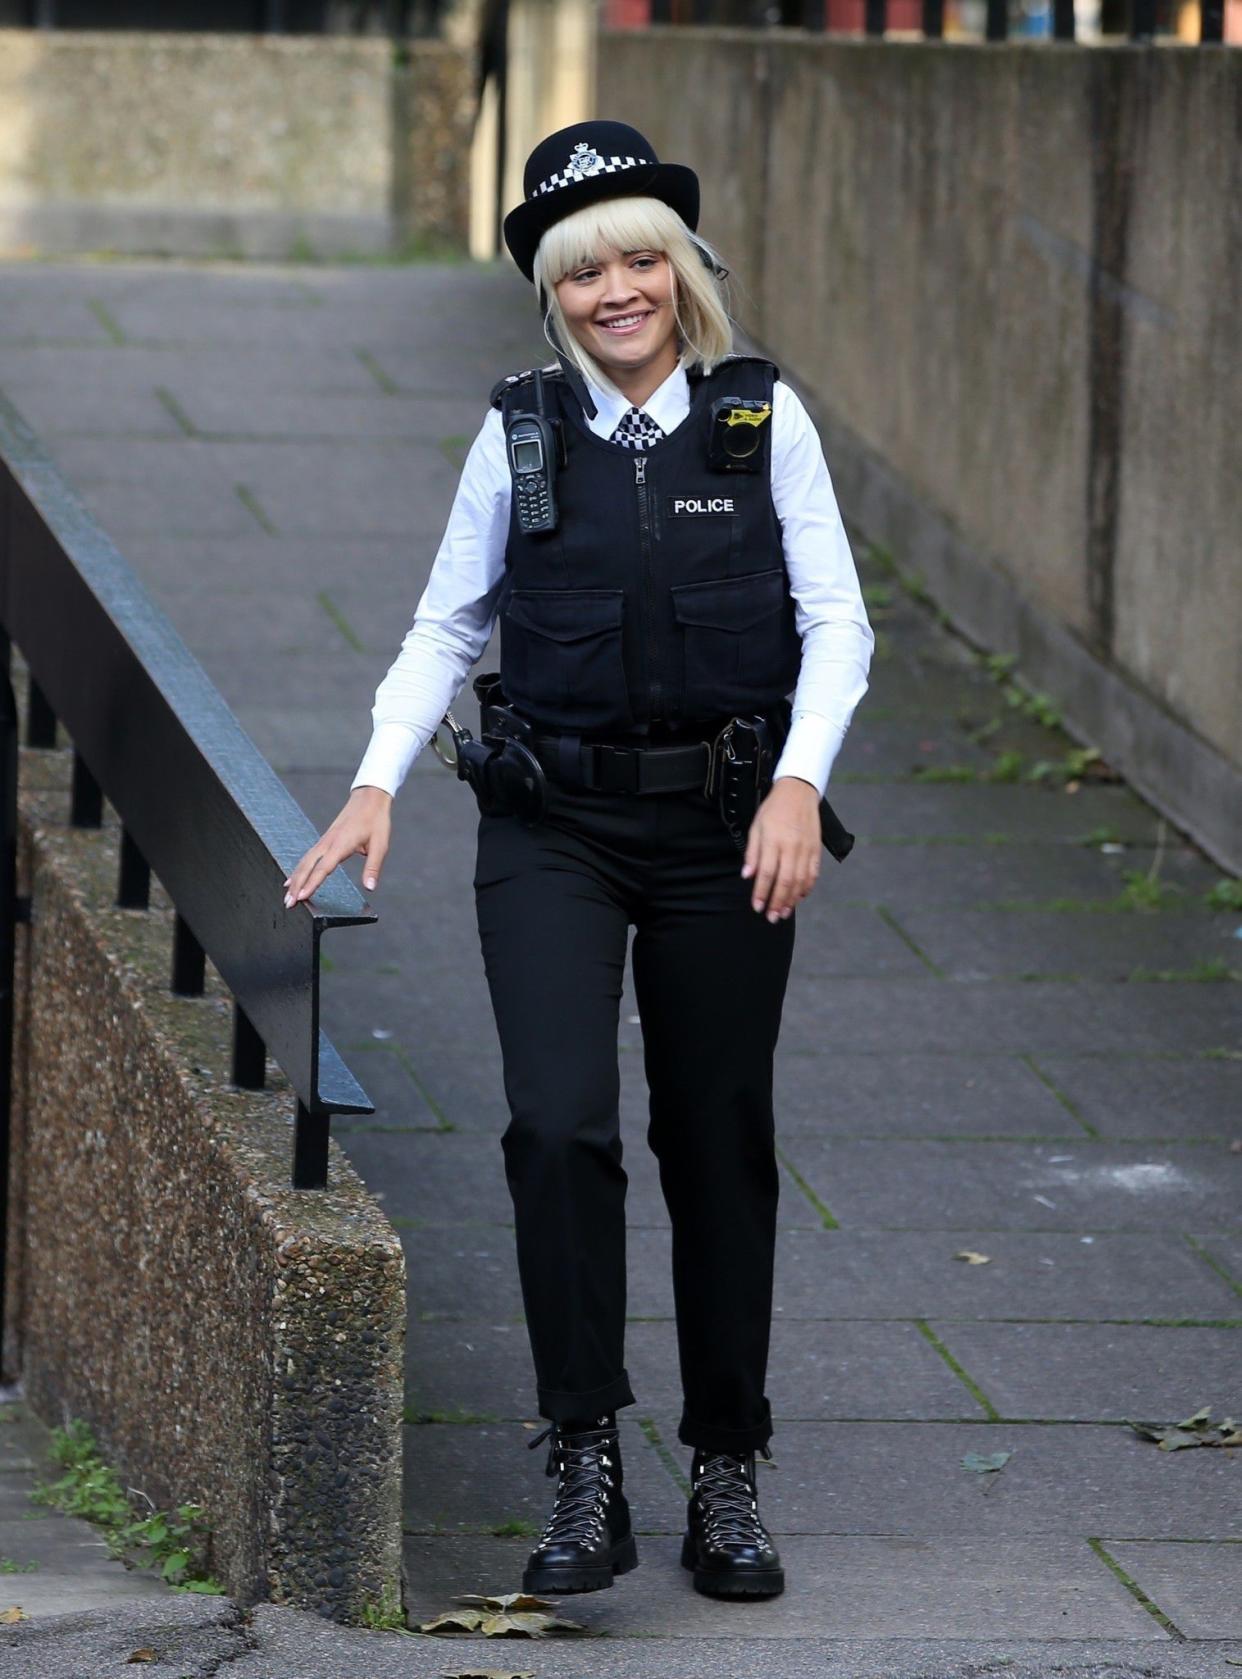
561, 657
733, 632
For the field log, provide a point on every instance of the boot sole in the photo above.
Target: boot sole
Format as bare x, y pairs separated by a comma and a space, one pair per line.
760, 1582
564, 1580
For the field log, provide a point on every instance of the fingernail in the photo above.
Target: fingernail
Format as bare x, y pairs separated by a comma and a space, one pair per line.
773, 915
748, 869
369, 883
756, 903
288, 900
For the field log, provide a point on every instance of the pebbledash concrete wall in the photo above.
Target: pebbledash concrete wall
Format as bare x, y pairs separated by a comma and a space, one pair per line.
251, 146
1007, 276
231, 1340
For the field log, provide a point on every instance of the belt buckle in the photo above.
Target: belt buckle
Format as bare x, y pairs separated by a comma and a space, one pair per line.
604, 752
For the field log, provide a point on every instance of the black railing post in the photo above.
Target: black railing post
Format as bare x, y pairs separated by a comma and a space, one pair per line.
813, 16
134, 886
1142, 20
249, 1052
310, 1149
997, 26
1211, 21
86, 800
933, 19
1063, 20
40, 718
9, 755
189, 963
875, 17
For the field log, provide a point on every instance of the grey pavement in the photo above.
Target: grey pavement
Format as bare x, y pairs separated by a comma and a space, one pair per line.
987, 1049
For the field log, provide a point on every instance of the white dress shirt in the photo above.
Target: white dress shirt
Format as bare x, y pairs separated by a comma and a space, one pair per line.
455, 616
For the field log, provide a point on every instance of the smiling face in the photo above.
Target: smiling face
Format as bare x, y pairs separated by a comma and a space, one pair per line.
620, 309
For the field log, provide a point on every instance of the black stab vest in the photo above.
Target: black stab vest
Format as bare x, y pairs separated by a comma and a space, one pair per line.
662, 596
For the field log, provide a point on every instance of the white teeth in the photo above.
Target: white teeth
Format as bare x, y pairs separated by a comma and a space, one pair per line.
624, 320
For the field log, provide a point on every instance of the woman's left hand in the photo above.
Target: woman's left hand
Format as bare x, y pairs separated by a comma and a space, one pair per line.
783, 848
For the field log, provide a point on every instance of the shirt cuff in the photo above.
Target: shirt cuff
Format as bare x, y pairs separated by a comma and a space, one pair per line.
810, 749
386, 761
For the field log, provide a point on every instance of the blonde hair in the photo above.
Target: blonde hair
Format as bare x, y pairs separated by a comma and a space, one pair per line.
638, 224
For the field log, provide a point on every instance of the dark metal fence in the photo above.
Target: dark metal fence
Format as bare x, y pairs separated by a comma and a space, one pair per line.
198, 803
1141, 20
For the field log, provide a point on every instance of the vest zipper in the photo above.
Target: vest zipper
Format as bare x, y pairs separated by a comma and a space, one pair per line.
644, 537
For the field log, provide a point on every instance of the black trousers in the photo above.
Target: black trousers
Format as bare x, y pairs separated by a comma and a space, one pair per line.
555, 902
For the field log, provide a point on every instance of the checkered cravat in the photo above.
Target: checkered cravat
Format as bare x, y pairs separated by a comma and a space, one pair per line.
636, 430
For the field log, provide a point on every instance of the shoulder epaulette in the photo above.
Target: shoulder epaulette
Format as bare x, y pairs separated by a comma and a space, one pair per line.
762, 361
510, 380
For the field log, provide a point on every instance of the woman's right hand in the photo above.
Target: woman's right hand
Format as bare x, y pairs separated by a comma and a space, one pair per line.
363, 826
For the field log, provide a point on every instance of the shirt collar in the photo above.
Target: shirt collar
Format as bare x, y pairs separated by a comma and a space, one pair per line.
667, 405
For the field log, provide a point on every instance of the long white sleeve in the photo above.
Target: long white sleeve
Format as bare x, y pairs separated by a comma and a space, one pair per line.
837, 639
453, 620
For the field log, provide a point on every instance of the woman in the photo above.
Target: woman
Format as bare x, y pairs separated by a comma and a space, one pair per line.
680, 563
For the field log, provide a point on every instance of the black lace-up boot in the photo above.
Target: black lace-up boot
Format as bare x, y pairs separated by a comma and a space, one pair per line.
727, 1546
587, 1539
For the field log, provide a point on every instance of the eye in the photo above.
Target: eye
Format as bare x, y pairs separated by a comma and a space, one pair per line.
581, 274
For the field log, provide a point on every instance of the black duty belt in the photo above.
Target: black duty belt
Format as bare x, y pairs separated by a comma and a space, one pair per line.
603, 767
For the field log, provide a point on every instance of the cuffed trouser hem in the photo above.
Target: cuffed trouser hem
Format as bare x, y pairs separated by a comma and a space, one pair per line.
708, 1438
572, 1407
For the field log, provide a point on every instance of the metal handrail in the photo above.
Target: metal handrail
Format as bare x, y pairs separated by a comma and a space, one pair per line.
199, 804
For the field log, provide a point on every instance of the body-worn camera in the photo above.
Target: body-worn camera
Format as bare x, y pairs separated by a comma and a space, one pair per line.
738, 427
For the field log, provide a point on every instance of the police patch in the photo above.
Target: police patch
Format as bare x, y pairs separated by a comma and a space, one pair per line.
686, 507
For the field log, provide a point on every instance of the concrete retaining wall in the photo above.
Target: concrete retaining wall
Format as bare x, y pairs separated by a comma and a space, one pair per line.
1007, 277
256, 146
231, 1340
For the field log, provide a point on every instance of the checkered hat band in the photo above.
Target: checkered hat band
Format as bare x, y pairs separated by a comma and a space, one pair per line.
579, 172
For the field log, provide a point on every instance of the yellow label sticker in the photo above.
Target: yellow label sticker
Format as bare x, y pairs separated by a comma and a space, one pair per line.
748, 416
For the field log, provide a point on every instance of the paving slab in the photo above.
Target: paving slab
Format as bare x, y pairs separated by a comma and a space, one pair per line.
900, 746
939, 1016
820, 1370
1100, 1372
1198, 1586
851, 1273
1151, 1097
913, 1095
975, 810
1225, 1253
971, 944
850, 940
1072, 1479
850, 1587
987, 876
1087, 1187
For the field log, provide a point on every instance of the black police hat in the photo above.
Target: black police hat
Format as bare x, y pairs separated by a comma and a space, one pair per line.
583, 164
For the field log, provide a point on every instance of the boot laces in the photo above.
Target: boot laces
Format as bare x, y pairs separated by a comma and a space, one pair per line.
728, 1501
584, 1461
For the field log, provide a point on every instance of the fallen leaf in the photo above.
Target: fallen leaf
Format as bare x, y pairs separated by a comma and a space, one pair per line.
145, 1654
456, 1620
507, 1601
1196, 1430
13, 1614
974, 1258
1198, 1420
486, 1673
983, 1464
510, 1615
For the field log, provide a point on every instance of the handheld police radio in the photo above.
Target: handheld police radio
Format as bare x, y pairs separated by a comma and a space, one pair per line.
534, 445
